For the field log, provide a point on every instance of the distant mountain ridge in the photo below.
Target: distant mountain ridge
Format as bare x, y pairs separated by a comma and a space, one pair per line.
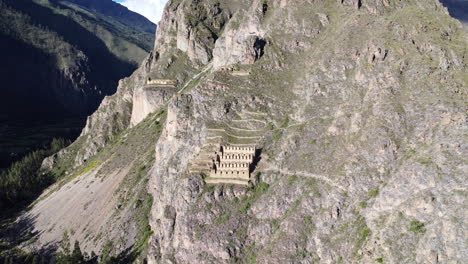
60, 58
91, 45
120, 12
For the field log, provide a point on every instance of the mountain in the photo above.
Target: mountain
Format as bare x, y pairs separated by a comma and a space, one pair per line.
356, 110
60, 59
118, 12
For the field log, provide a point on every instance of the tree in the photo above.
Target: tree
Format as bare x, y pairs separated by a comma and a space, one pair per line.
71, 257
35, 259
77, 255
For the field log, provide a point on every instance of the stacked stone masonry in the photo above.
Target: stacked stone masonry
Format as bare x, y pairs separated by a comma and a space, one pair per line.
234, 72
233, 162
161, 82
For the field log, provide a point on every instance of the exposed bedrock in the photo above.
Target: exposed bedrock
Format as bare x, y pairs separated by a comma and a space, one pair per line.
360, 107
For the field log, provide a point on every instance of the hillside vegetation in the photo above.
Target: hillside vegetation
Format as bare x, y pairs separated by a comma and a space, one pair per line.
358, 110
62, 58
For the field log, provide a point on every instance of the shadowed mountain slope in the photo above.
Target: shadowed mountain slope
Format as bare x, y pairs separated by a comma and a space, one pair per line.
60, 58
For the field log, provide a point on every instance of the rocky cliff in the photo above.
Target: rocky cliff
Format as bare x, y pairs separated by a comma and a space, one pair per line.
362, 153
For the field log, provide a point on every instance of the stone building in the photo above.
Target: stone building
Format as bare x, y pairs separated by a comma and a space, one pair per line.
234, 72
161, 82
233, 162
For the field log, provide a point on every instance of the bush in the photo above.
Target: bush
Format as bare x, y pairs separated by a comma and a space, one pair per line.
22, 182
75, 256
417, 227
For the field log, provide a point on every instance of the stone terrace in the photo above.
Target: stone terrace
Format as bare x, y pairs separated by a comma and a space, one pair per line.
230, 151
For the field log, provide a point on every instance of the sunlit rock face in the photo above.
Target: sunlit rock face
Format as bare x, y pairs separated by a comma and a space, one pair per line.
357, 109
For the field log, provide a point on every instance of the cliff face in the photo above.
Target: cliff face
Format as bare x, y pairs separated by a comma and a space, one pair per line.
361, 106
364, 101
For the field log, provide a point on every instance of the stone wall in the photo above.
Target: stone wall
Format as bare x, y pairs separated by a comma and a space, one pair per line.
233, 162
244, 149
161, 82
245, 175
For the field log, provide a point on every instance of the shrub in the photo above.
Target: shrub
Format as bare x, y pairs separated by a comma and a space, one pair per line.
417, 227
373, 193
22, 182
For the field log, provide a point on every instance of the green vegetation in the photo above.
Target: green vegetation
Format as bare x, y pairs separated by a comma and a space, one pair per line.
91, 166
250, 255
235, 25
67, 255
379, 260
309, 225
373, 193
136, 149
257, 191
292, 179
275, 223
222, 218
279, 131
361, 233
417, 227
74, 256
23, 181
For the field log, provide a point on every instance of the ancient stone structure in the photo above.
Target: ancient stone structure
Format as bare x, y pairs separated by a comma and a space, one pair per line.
240, 73
226, 68
233, 162
161, 82
225, 163
231, 149
233, 71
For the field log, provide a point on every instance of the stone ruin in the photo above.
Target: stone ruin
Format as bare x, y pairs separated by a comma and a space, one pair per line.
229, 163
227, 68
233, 71
233, 162
161, 82
231, 150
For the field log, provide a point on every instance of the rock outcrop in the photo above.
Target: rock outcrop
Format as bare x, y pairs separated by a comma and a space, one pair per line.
362, 117
351, 171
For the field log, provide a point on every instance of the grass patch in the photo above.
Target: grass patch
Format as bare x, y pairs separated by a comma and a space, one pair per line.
222, 219
275, 223
91, 166
308, 223
379, 260
258, 190
250, 255
417, 227
362, 233
292, 179
373, 193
